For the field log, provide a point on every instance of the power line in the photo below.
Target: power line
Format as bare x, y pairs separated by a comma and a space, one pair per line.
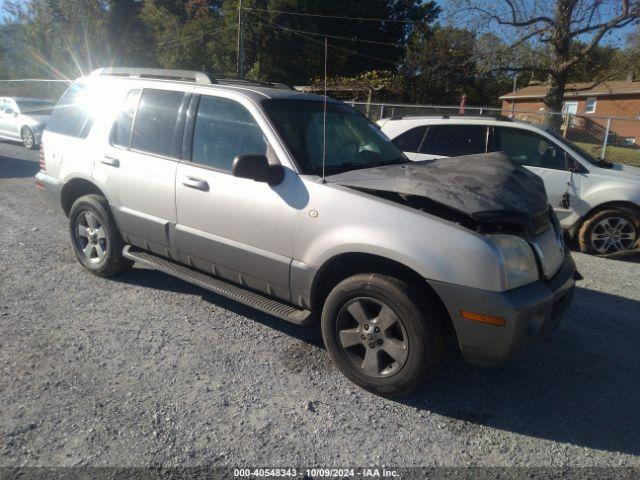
337, 37
337, 17
320, 42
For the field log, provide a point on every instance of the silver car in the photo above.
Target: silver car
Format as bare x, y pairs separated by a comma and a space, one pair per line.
23, 119
303, 209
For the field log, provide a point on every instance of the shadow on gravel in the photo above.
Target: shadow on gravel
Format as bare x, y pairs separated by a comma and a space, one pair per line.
581, 386
15, 168
161, 281
632, 256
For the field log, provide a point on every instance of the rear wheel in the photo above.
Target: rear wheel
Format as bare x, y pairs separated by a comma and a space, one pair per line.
95, 238
609, 231
28, 138
382, 335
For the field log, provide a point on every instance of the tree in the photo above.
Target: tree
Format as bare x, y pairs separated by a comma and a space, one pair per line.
569, 30
289, 48
440, 64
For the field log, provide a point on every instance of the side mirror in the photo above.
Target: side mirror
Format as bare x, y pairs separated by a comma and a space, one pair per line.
256, 167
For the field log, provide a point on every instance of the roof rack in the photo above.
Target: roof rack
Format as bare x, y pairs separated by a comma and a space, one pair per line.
446, 116
225, 80
184, 76
154, 73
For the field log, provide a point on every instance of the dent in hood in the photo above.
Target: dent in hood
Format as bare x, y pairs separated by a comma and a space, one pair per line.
489, 189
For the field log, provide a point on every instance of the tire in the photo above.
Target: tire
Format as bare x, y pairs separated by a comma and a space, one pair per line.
95, 238
28, 138
608, 231
369, 349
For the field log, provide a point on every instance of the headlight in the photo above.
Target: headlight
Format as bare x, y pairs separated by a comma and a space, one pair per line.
518, 261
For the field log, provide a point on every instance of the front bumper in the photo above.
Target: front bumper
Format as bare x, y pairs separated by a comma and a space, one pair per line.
50, 188
531, 312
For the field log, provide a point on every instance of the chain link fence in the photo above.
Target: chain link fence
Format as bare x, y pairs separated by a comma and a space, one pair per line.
33, 88
616, 139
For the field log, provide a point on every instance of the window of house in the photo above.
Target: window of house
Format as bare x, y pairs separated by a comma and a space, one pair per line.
529, 149
223, 130
456, 140
154, 130
591, 105
410, 141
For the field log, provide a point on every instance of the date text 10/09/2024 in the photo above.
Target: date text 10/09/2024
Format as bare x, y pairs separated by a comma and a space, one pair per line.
316, 472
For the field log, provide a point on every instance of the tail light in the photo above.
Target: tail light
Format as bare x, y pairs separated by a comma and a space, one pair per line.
43, 166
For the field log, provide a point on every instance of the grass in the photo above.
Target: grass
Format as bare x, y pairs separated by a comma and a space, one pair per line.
628, 156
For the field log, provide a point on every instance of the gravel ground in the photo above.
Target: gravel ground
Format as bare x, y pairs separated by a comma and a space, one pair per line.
146, 369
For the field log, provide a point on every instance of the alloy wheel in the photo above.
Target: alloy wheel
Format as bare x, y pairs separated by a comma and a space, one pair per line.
28, 139
613, 234
91, 237
372, 337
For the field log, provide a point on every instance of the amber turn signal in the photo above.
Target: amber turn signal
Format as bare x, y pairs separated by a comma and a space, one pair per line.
476, 317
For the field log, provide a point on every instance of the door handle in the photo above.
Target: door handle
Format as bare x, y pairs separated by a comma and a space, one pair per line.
196, 183
112, 162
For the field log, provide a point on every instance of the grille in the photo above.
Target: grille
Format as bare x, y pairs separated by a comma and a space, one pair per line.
550, 249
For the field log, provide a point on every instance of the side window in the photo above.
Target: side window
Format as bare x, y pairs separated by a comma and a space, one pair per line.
121, 133
223, 130
1, 105
154, 130
11, 106
529, 148
456, 140
70, 116
412, 140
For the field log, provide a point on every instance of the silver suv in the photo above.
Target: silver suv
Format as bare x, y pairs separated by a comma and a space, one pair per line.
597, 202
232, 186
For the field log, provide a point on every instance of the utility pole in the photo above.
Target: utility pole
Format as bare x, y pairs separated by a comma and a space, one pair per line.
240, 42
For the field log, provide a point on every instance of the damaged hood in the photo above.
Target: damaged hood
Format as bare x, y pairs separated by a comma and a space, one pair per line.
487, 188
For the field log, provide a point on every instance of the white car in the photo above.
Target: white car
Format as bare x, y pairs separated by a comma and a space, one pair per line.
596, 201
23, 119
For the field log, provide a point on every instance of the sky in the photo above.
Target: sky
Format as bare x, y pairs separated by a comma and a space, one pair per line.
453, 14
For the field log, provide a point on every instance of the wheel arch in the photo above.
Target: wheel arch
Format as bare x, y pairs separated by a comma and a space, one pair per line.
74, 189
344, 265
615, 204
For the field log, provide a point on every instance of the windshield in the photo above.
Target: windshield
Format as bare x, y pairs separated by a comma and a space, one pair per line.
31, 106
586, 155
352, 141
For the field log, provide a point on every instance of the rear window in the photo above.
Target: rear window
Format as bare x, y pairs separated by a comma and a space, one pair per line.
156, 120
71, 116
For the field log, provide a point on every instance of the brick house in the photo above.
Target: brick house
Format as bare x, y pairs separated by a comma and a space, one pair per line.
593, 104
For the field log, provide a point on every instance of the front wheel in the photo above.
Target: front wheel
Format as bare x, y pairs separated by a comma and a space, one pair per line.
95, 238
382, 335
609, 231
28, 138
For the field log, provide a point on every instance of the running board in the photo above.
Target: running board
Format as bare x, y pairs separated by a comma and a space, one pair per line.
247, 297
